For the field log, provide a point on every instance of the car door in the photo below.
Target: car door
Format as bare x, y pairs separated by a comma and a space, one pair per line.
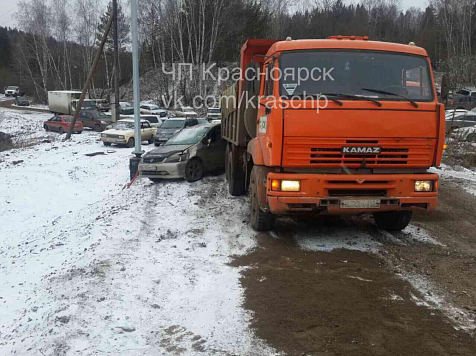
55, 123
146, 132
213, 149
86, 118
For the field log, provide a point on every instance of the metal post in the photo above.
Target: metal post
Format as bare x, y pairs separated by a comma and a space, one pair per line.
134, 162
116, 63
89, 80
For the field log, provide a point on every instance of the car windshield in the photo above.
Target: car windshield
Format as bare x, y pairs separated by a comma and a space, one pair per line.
350, 72
67, 119
172, 124
188, 136
12, 88
124, 125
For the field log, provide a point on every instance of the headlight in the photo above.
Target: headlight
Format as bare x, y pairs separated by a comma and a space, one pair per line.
290, 186
286, 185
120, 136
423, 186
177, 157
103, 135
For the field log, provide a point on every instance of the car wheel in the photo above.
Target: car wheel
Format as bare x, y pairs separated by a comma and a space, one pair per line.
156, 144
471, 137
61, 131
393, 220
259, 220
45, 126
151, 140
193, 170
107, 143
131, 143
97, 128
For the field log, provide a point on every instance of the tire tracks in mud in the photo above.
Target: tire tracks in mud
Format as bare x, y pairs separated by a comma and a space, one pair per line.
410, 293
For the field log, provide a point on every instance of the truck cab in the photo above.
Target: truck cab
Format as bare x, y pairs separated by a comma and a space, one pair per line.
342, 125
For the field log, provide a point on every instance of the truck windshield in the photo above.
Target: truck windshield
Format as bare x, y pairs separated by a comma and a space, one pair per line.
351, 71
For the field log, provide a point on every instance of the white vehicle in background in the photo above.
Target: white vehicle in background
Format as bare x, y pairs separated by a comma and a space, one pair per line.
150, 109
12, 90
187, 111
213, 114
65, 102
154, 120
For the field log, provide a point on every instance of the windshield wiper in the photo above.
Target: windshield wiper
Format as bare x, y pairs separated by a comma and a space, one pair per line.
319, 96
384, 92
355, 97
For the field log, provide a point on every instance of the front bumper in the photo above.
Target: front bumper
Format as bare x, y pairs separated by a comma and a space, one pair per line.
162, 170
335, 193
119, 141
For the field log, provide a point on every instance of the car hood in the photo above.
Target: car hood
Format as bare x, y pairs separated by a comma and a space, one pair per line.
167, 131
116, 132
165, 151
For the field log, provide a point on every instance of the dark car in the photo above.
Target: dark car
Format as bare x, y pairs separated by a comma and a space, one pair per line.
21, 101
128, 110
463, 102
95, 120
188, 154
5, 141
172, 126
459, 120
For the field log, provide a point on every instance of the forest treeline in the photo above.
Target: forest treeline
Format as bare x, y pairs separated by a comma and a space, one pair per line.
55, 41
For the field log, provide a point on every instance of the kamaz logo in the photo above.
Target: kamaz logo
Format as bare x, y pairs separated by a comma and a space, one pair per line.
361, 150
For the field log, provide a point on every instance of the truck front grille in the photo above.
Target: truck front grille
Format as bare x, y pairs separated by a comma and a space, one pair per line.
306, 152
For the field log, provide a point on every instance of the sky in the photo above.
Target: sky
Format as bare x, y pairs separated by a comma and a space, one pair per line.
8, 8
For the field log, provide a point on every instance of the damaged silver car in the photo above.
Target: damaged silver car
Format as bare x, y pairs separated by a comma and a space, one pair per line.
188, 154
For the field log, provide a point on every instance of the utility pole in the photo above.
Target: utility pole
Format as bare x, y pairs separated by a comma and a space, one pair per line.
134, 161
116, 62
89, 80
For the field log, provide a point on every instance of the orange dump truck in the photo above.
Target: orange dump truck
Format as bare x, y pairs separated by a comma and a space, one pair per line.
341, 125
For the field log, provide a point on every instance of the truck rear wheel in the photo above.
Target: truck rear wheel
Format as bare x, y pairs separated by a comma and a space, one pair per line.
236, 174
393, 220
259, 220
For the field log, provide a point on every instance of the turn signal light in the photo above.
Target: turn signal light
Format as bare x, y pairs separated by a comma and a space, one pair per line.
275, 184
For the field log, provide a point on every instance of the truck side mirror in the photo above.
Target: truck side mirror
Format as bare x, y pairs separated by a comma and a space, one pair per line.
445, 88
252, 78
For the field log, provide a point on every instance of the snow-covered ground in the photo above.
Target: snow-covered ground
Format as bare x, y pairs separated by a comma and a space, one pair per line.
89, 268
466, 178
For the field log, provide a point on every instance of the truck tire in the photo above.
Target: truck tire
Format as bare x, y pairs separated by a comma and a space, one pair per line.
393, 220
236, 174
227, 168
259, 220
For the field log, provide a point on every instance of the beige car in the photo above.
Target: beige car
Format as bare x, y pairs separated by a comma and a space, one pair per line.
122, 133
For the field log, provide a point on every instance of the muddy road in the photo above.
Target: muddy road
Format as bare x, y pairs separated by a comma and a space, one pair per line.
341, 286
8, 104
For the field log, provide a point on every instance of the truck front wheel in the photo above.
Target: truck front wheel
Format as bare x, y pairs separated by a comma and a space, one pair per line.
259, 220
393, 220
